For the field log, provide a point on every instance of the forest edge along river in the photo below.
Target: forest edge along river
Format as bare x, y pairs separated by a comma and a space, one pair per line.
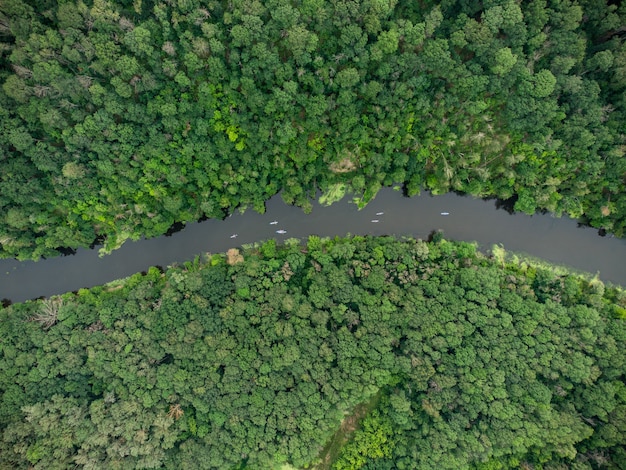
556, 240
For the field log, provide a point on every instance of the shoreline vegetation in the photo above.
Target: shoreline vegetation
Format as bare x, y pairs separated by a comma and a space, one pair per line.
119, 120
343, 353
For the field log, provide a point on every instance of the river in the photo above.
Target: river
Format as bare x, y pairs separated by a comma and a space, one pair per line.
558, 240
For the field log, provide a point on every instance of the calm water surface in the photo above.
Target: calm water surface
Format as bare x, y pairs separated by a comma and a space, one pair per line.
557, 240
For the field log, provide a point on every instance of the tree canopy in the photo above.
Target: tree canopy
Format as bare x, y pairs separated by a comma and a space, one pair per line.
121, 118
255, 358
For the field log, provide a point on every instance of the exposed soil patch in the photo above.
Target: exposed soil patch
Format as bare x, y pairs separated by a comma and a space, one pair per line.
233, 256
344, 166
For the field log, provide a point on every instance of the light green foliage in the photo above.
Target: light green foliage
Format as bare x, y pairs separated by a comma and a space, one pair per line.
504, 61
544, 83
333, 194
373, 441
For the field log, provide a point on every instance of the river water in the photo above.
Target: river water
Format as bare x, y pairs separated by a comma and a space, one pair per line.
558, 240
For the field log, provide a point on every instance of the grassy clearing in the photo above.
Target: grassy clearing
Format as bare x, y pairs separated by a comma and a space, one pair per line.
349, 425
525, 260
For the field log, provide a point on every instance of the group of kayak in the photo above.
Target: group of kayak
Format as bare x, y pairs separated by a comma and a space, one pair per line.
274, 222
282, 232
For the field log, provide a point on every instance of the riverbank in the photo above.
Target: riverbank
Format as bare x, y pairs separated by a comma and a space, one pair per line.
555, 240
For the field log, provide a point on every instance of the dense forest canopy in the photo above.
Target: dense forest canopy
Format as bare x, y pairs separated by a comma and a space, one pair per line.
120, 118
254, 360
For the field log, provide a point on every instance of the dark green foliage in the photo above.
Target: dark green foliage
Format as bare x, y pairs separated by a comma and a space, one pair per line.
466, 361
120, 118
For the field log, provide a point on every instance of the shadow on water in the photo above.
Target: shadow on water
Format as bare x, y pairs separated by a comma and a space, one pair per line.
174, 228
435, 236
405, 190
66, 251
225, 213
584, 223
98, 241
507, 205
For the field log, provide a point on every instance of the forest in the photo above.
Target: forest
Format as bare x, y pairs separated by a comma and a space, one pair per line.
120, 118
440, 357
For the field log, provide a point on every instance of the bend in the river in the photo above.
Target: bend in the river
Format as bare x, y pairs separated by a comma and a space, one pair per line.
461, 218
